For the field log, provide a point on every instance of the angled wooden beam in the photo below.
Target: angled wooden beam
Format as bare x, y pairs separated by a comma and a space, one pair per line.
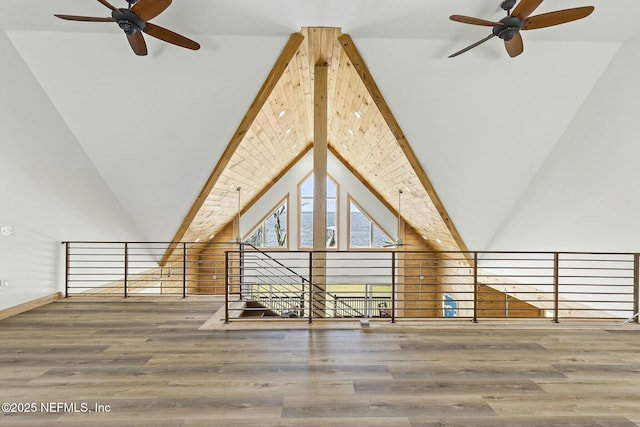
290, 49
372, 190
361, 68
277, 178
362, 179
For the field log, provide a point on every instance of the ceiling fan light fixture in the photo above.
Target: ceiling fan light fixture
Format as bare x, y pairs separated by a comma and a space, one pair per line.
508, 4
129, 28
134, 21
509, 27
128, 21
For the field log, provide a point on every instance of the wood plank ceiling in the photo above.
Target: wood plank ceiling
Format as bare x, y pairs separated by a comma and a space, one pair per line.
278, 130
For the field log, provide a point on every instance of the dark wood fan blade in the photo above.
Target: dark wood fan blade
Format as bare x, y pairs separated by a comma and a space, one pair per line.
473, 21
170, 37
556, 18
107, 4
83, 18
137, 43
472, 46
514, 46
149, 9
525, 8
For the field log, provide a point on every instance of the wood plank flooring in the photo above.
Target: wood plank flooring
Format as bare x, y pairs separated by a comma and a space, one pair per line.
146, 363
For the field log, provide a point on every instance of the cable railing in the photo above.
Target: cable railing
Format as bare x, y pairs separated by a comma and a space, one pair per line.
385, 284
361, 306
124, 269
275, 289
279, 289
464, 285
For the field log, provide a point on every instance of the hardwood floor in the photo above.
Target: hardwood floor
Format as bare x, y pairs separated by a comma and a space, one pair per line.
145, 363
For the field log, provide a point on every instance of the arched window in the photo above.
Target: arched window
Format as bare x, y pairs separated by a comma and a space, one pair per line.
271, 231
305, 190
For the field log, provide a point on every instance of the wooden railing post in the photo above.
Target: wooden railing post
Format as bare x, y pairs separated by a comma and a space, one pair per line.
556, 287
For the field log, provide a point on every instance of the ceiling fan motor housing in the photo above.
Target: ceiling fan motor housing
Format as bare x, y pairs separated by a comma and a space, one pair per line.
509, 27
128, 21
508, 4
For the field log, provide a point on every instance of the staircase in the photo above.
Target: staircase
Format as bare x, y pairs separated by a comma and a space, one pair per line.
270, 288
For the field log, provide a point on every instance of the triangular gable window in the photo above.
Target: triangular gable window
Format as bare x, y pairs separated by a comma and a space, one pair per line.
364, 232
271, 231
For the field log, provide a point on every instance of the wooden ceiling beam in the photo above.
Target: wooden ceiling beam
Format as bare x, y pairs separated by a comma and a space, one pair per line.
320, 157
290, 49
275, 180
373, 191
363, 71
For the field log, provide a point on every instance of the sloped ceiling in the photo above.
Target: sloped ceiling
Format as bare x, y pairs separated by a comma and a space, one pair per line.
279, 128
482, 125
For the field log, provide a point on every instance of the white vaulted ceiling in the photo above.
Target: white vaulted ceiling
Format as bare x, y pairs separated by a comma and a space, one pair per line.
535, 152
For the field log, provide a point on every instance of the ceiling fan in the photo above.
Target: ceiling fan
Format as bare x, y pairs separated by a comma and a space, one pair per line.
134, 21
508, 28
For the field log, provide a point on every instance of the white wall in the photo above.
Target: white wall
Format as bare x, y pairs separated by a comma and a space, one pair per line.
585, 195
348, 184
154, 127
50, 191
482, 124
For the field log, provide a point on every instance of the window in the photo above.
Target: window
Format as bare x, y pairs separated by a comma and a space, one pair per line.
363, 231
306, 213
271, 232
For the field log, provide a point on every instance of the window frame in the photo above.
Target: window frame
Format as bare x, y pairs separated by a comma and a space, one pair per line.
263, 220
350, 200
337, 201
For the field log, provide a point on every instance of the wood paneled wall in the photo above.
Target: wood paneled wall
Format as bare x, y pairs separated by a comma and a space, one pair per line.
419, 291
493, 303
279, 126
210, 261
